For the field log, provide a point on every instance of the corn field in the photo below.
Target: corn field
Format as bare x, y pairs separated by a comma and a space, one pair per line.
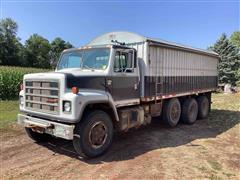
11, 79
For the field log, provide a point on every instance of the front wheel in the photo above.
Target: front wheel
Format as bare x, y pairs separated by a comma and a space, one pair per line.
93, 135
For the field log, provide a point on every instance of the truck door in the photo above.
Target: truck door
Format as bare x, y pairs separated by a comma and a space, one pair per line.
125, 77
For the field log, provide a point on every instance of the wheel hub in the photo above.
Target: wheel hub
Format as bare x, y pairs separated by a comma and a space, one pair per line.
175, 112
98, 135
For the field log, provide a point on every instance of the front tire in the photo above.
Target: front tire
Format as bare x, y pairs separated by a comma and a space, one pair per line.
93, 135
172, 112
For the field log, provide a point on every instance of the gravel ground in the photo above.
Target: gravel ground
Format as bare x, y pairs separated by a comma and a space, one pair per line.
209, 149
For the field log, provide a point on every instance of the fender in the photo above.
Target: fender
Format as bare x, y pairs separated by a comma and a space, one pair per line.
90, 96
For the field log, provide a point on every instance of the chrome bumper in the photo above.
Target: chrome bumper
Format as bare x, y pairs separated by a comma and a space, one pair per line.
56, 129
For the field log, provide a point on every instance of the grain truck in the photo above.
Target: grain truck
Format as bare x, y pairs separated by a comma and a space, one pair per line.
119, 81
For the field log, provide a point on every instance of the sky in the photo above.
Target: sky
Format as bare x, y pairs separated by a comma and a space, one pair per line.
196, 23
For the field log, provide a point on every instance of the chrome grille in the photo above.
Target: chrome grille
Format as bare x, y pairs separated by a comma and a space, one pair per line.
42, 96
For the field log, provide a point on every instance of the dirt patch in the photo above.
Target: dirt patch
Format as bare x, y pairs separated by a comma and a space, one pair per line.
208, 149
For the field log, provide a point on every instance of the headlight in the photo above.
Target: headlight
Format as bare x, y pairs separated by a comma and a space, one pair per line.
66, 106
21, 102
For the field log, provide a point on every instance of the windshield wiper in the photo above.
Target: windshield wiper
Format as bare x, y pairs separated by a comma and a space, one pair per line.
88, 67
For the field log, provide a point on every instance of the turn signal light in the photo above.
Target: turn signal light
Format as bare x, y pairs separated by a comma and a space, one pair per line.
75, 90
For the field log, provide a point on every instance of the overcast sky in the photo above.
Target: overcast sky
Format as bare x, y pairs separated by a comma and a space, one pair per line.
197, 23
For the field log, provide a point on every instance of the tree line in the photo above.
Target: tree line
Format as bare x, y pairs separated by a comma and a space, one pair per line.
40, 53
36, 52
229, 62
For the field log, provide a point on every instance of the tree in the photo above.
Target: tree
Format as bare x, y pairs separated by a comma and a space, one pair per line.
11, 48
235, 38
57, 46
238, 77
229, 62
37, 51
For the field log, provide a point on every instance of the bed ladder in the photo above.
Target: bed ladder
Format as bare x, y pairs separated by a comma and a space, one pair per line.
158, 78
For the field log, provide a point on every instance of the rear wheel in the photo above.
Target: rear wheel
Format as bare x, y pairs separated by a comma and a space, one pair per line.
203, 107
38, 137
93, 136
172, 112
189, 111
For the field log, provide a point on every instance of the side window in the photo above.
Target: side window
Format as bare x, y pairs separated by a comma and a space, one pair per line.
123, 62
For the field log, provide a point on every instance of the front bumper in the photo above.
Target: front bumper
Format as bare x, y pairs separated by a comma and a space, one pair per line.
56, 129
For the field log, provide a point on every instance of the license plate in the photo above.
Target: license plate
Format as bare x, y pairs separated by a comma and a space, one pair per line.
59, 131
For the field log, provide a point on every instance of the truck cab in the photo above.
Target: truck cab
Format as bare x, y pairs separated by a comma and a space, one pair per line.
111, 69
89, 80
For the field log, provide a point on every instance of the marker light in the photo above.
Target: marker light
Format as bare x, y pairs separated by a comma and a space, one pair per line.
75, 90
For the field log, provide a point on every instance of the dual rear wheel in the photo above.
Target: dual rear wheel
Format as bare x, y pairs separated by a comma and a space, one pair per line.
188, 111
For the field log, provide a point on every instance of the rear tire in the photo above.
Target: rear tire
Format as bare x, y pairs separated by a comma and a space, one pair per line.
172, 112
189, 111
38, 137
93, 135
203, 107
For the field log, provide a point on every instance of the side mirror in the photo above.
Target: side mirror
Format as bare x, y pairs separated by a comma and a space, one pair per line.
131, 61
132, 56
126, 60
133, 53
135, 58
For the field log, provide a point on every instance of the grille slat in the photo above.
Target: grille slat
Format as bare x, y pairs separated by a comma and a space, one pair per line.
42, 96
39, 102
44, 88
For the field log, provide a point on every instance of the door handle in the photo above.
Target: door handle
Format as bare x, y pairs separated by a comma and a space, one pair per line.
135, 86
109, 82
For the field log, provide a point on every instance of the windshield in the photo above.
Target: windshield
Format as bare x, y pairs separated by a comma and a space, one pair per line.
85, 59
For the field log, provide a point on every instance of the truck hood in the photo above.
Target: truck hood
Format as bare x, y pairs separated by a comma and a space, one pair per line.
86, 79
82, 72
45, 75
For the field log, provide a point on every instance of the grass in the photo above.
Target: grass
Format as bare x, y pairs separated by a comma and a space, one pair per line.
215, 165
8, 113
226, 111
226, 101
228, 174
